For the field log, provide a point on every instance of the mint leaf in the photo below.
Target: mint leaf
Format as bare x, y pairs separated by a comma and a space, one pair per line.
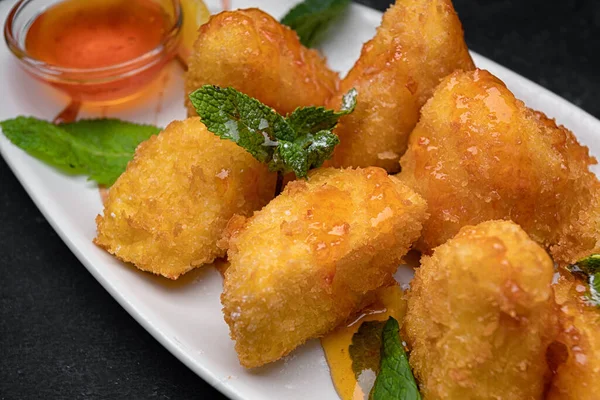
305, 120
588, 265
235, 116
99, 148
44, 141
298, 143
589, 269
311, 18
303, 154
319, 147
110, 133
395, 380
594, 295
105, 146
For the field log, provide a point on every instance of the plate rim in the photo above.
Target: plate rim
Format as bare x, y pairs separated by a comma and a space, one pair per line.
200, 368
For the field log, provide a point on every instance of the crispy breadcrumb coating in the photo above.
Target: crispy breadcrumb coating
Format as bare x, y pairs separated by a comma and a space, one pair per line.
418, 43
577, 350
313, 256
481, 316
255, 54
580, 231
478, 154
167, 211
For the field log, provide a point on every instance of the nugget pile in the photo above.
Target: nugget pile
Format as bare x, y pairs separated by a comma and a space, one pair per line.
487, 187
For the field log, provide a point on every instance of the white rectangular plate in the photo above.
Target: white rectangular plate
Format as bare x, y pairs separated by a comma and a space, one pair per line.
185, 316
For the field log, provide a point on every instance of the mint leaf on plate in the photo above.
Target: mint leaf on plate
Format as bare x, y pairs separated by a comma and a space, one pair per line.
311, 18
99, 148
395, 380
44, 141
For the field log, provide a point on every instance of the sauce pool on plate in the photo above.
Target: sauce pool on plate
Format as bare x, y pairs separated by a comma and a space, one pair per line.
352, 352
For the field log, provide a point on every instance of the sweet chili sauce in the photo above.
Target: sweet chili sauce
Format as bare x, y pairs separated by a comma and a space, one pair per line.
97, 34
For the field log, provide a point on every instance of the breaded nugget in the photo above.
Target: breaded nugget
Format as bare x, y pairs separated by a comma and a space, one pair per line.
577, 351
418, 43
481, 316
167, 211
478, 154
255, 54
580, 231
313, 256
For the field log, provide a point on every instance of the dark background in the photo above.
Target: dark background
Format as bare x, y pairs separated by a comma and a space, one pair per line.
63, 336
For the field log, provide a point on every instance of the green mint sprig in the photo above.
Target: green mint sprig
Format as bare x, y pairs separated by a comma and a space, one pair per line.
395, 380
297, 143
589, 269
98, 148
311, 18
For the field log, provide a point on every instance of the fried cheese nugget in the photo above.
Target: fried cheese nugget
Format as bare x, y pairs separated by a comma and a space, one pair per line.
167, 211
314, 256
478, 154
255, 54
418, 43
481, 316
579, 234
577, 351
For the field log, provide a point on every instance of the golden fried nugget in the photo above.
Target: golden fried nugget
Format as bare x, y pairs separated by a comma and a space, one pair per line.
167, 211
418, 43
253, 53
314, 256
481, 316
478, 154
577, 350
580, 231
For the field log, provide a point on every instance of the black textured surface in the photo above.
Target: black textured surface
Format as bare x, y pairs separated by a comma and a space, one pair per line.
63, 337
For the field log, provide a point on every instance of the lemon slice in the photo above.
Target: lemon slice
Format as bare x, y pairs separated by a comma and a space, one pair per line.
195, 13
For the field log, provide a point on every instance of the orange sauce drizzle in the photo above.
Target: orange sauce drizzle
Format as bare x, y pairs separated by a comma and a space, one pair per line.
69, 114
336, 345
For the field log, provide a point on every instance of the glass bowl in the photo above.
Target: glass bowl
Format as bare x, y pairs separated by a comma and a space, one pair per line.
104, 84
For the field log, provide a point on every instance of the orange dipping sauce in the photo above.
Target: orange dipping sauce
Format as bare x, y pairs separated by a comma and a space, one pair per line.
96, 33
96, 37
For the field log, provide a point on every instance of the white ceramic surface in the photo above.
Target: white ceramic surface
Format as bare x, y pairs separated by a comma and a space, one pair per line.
186, 318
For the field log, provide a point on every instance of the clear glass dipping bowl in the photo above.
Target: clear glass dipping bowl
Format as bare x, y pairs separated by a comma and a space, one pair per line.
106, 84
